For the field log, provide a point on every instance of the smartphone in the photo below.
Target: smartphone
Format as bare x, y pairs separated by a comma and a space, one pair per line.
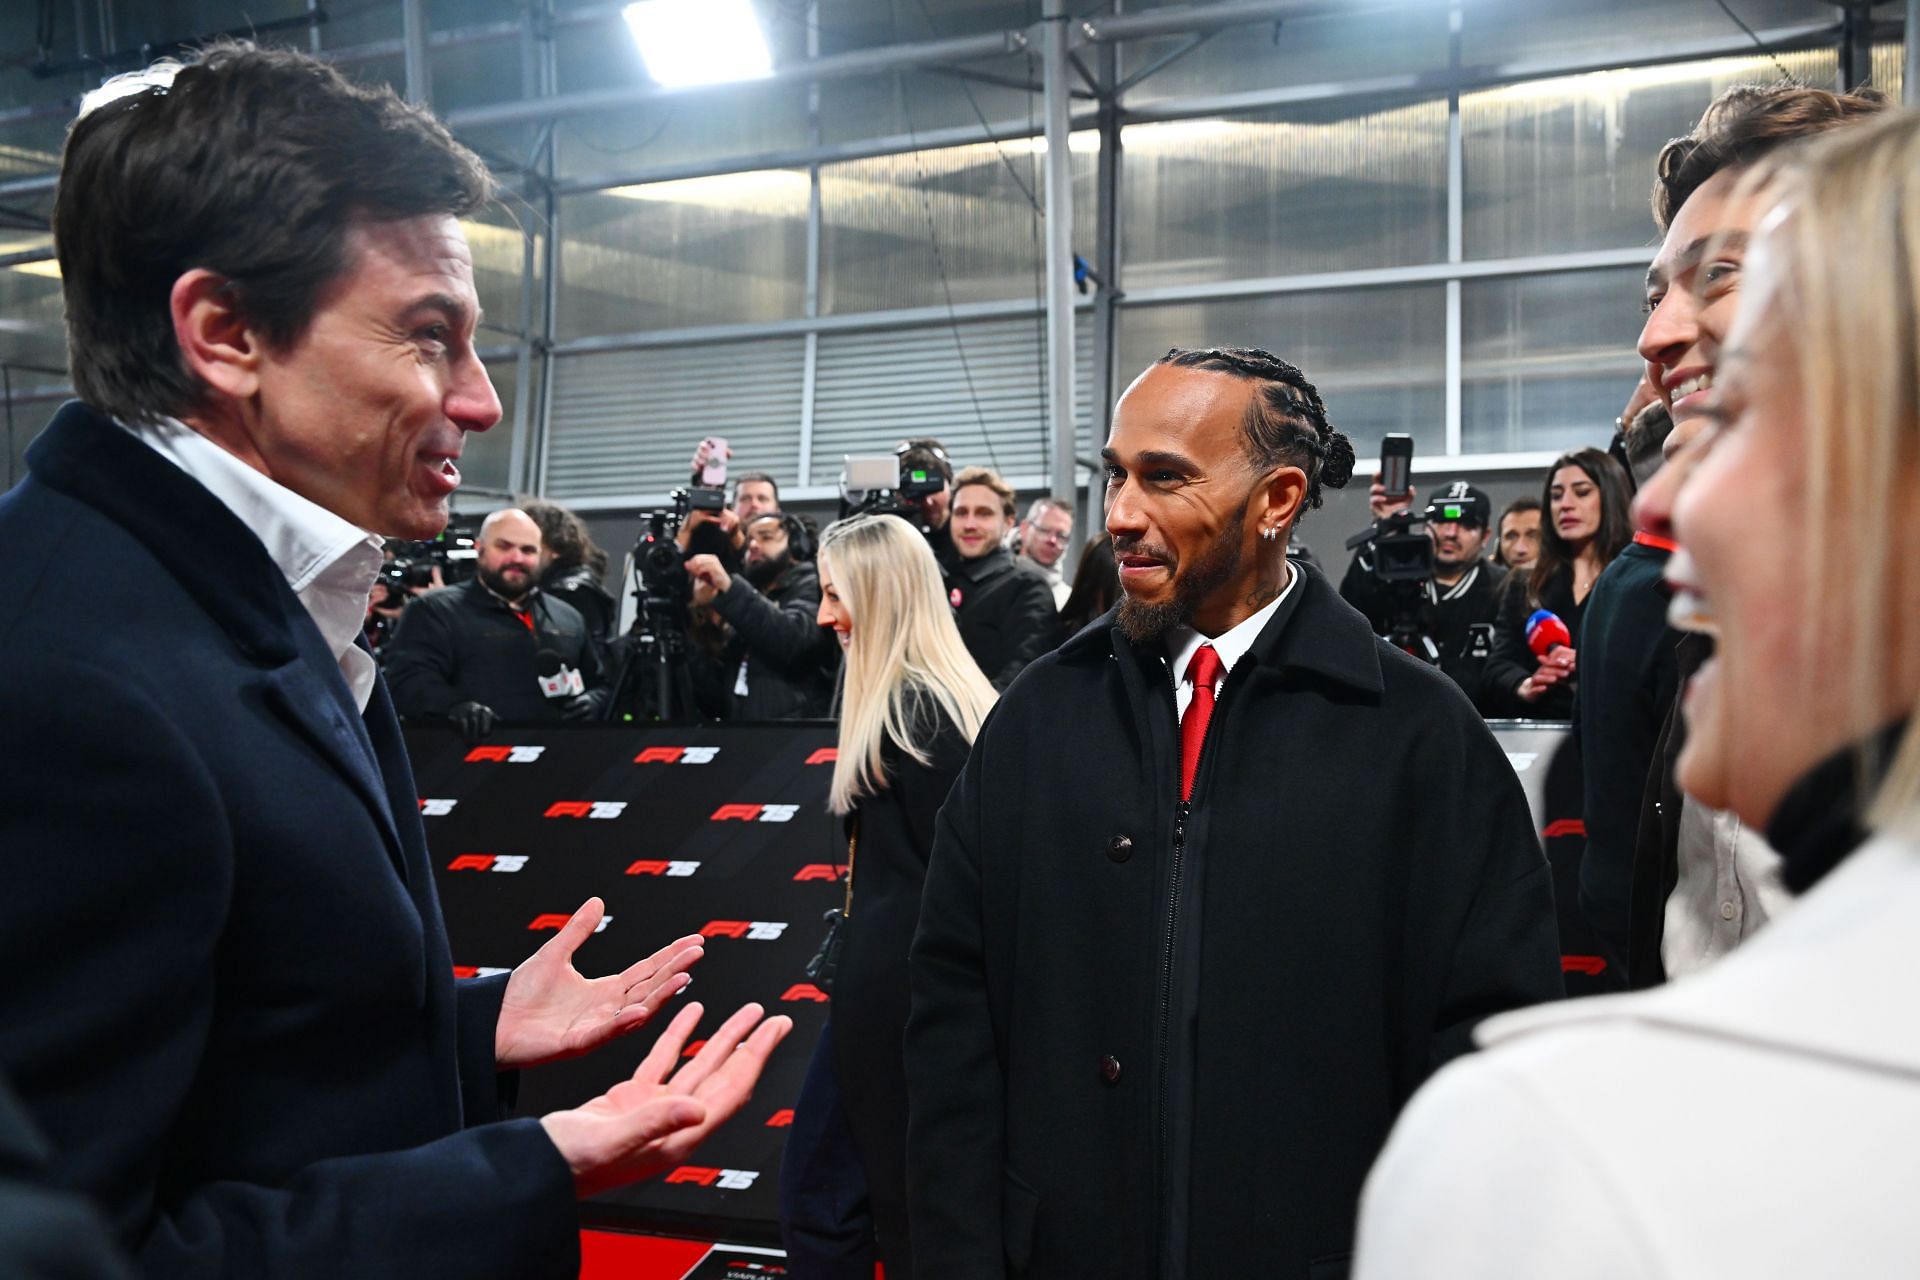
1396, 464
714, 474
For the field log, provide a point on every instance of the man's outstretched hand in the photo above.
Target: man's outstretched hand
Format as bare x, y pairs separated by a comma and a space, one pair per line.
655, 1119
551, 1011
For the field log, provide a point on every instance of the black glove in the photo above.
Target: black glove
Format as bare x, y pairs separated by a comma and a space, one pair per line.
474, 720
583, 706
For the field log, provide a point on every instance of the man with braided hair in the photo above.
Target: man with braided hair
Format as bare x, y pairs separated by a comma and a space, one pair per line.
1171, 986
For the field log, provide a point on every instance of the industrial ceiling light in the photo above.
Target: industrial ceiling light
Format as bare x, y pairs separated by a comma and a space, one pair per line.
688, 42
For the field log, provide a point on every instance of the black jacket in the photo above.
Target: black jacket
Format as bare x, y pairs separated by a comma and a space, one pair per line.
870, 995
1656, 848
463, 644
582, 588
1357, 884
1005, 612
1513, 661
791, 659
1627, 682
1459, 620
232, 1013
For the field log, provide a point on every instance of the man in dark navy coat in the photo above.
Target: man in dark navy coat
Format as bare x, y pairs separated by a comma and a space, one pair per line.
1177, 971
230, 1011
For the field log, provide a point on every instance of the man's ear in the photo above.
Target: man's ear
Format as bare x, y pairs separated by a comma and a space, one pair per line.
1285, 491
215, 341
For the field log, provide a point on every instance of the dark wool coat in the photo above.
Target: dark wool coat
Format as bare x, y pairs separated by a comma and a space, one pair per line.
231, 1008
463, 644
1005, 613
1148, 1042
1513, 660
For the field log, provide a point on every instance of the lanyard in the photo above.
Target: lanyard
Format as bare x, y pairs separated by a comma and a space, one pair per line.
1646, 539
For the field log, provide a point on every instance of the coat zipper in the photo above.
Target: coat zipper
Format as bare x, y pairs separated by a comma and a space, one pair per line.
1166, 972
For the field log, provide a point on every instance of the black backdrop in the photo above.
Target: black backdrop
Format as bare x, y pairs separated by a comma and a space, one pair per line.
723, 830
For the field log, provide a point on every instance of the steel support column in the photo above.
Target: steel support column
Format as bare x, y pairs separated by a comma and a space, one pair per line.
413, 31
1059, 204
1106, 301
1910, 84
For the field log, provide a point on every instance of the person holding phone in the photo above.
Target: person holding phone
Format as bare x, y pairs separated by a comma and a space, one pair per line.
911, 703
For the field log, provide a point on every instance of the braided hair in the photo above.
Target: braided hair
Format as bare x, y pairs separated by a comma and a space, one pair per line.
1286, 424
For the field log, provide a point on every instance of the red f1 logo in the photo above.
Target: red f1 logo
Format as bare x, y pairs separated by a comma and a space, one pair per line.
781, 1119
677, 755
825, 755
751, 930
586, 809
821, 871
504, 755
755, 813
488, 862
652, 867
804, 991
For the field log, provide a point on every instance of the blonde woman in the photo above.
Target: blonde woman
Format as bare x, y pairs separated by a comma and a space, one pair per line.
1759, 1118
911, 702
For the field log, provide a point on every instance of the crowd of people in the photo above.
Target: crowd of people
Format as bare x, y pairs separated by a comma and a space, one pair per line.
1199, 991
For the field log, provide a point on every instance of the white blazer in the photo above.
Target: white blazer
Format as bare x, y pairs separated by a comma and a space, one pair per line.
1759, 1119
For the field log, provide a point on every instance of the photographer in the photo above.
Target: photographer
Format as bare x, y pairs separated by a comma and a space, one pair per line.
1456, 606
779, 663
496, 647
754, 493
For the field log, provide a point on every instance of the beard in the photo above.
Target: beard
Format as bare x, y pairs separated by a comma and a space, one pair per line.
1142, 623
514, 588
761, 573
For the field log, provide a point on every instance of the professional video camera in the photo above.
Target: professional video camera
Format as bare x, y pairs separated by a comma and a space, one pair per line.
455, 552
886, 484
655, 647
1400, 555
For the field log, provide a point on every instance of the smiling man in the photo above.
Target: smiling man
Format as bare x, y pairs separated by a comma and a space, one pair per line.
1177, 969
1004, 608
235, 1020
495, 647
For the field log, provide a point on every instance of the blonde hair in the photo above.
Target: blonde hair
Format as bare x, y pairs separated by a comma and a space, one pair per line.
1845, 242
904, 655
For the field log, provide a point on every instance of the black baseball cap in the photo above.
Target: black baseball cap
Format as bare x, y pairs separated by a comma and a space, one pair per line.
1460, 502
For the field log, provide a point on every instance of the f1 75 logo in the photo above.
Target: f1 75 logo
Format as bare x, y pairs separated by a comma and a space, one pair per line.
488, 862
504, 755
755, 812
721, 1179
651, 867
821, 871
436, 808
751, 930
586, 809
558, 920
677, 755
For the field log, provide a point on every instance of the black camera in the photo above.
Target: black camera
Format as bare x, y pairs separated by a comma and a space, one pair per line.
455, 553
1399, 554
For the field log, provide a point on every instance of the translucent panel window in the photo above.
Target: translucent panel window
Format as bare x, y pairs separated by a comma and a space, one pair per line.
1321, 187
1547, 362
1377, 356
919, 102
892, 226
1889, 69
33, 338
1495, 32
487, 459
500, 264
1556, 166
696, 128
726, 249
1314, 49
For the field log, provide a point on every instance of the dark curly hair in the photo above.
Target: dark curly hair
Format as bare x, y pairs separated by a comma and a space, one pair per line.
1745, 124
1286, 424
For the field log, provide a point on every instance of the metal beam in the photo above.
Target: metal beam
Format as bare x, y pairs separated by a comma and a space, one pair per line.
1910, 81
1059, 74
1194, 18
419, 77
863, 62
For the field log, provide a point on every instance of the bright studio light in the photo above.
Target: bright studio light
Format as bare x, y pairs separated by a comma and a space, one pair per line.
685, 42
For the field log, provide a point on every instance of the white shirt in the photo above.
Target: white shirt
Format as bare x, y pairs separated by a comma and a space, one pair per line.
330, 564
1729, 886
1184, 642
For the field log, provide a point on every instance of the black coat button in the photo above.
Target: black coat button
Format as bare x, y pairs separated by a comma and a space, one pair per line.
1120, 848
1110, 1069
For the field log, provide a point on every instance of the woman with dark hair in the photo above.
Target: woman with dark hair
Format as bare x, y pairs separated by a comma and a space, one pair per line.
1585, 498
1096, 585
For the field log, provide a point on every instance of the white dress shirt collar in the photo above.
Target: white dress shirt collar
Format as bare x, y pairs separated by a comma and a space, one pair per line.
1183, 642
330, 564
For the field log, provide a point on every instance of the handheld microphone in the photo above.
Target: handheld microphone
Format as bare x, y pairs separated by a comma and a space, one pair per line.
1545, 632
557, 679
